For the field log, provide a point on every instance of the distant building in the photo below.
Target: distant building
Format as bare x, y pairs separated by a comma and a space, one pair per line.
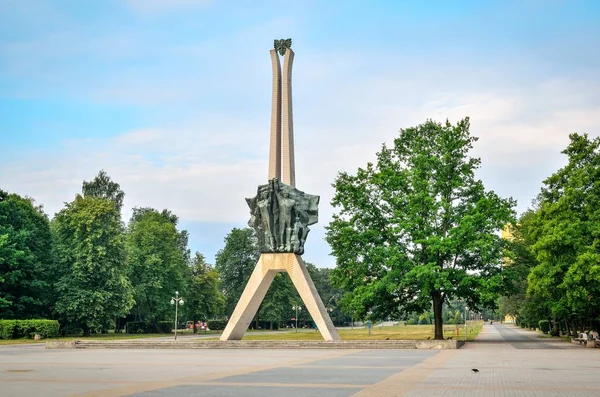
508, 234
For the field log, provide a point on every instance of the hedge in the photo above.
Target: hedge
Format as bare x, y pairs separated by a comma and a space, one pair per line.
143, 327
544, 326
16, 329
216, 324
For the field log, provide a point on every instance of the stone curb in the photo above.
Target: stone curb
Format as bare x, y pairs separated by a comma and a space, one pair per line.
132, 344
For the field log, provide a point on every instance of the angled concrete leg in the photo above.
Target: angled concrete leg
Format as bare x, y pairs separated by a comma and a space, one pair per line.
249, 302
306, 288
267, 267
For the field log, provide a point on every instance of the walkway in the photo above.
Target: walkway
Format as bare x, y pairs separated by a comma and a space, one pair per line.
510, 362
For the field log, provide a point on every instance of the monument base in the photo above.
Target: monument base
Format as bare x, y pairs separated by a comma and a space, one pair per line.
267, 267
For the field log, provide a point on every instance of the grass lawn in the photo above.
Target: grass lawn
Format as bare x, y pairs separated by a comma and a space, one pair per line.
111, 336
399, 332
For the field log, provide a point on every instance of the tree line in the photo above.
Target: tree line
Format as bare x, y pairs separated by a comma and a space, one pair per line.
556, 248
88, 269
417, 231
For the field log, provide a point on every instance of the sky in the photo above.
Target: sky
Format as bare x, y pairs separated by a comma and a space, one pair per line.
172, 97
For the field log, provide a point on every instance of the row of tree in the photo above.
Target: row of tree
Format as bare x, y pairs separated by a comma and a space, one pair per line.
556, 247
90, 271
414, 232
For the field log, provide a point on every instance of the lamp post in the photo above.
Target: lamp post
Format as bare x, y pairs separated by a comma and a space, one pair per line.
297, 308
176, 301
466, 327
330, 311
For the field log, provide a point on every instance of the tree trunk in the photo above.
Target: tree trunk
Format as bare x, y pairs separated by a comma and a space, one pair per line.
437, 314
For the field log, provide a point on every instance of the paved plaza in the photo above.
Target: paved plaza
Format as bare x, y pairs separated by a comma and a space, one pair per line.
511, 362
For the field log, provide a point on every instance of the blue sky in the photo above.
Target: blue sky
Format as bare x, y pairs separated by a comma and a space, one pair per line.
172, 98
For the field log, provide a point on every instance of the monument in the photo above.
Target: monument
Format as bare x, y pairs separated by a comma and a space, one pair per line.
280, 215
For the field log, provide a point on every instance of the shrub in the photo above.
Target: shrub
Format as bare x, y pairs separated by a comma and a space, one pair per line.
165, 327
216, 324
410, 322
138, 327
7, 329
544, 326
143, 327
15, 329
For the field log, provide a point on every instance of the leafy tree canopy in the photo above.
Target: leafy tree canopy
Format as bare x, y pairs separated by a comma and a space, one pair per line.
25, 259
235, 263
566, 232
205, 299
417, 227
89, 244
157, 262
102, 186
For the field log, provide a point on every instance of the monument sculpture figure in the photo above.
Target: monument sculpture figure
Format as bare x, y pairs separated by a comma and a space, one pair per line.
280, 214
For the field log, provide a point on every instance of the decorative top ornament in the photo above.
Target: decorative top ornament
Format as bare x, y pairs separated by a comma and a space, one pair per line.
282, 44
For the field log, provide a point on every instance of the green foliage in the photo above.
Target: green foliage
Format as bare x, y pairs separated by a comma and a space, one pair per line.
410, 321
7, 329
330, 295
103, 187
92, 282
544, 326
144, 327
418, 227
26, 263
278, 302
15, 329
458, 318
157, 262
216, 325
566, 236
235, 262
205, 298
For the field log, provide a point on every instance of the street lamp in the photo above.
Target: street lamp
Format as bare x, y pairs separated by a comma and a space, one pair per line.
297, 308
176, 301
466, 326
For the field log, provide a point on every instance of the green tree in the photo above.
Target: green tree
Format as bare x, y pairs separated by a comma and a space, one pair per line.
515, 302
93, 286
205, 299
102, 186
157, 262
26, 263
279, 300
566, 231
330, 294
457, 318
418, 227
235, 263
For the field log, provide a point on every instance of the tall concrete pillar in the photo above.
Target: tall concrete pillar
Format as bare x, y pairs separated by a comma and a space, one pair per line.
289, 171
282, 167
275, 142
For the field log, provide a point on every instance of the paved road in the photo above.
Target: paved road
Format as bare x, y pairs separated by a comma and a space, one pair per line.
511, 362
